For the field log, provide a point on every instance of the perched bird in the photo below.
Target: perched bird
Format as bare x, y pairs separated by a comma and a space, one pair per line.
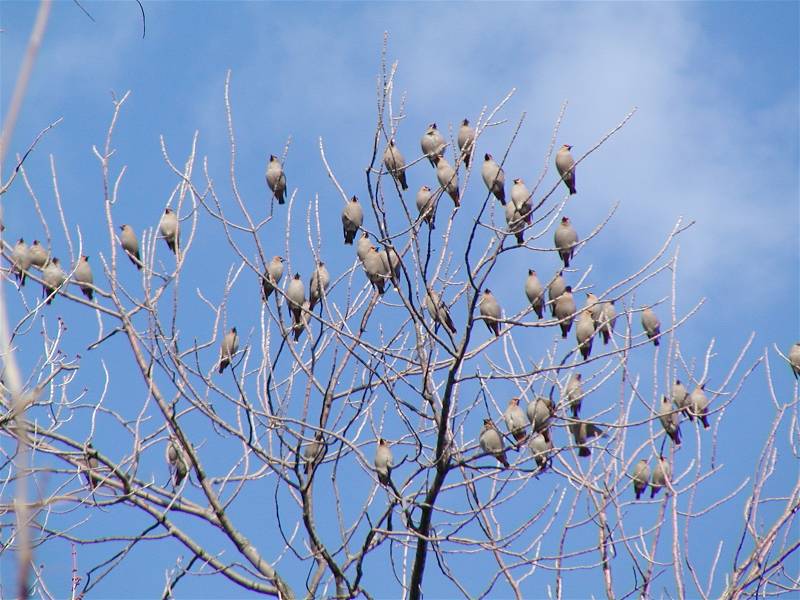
21, 261
661, 476
554, 289
377, 271
311, 453
395, 163
608, 318
425, 205
581, 432
362, 246
535, 293
181, 471
584, 332
272, 277
447, 178
566, 167
432, 143
794, 359
522, 199
38, 256
83, 277
276, 178
492, 442
176, 462
566, 239
228, 347
320, 280
391, 261
168, 227
516, 421
130, 244
439, 311
670, 421
564, 310
490, 310
516, 222
698, 404
494, 178
296, 297
574, 394
539, 412
91, 466
680, 398
352, 219
651, 324
53, 277
466, 140
541, 449
303, 324
383, 461
594, 306
641, 477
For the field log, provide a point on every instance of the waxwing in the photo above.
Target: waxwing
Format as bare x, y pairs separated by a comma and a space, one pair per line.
492, 442
466, 141
566, 167
439, 311
130, 244
490, 310
83, 277
494, 178
383, 461
168, 227
228, 347
432, 143
395, 163
651, 325
565, 239
670, 420
641, 477
320, 280
535, 293
276, 178
447, 178
516, 421
564, 311
272, 277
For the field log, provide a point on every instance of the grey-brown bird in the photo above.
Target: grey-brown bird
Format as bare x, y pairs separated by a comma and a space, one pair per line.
439, 312
492, 442
377, 271
296, 297
384, 461
391, 261
662, 474
554, 289
522, 199
447, 178
698, 404
490, 310
53, 277
352, 219
83, 277
573, 394
670, 420
641, 477
516, 222
466, 141
130, 244
584, 332
566, 238
594, 306
38, 256
312, 452
176, 462
794, 359
21, 261
276, 178
273, 276
541, 449
582, 431
91, 466
535, 293
432, 143
539, 412
651, 325
516, 421
228, 347
608, 318
299, 327
564, 310
168, 227
425, 205
494, 177
566, 167
680, 398
320, 280
395, 163
362, 246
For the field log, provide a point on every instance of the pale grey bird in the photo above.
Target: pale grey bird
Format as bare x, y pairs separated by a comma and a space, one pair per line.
680, 398
130, 244
608, 318
377, 271
564, 310
391, 261
466, 141
54, 277
698, 404
535, 293
21, 261
573, 394
384, 461
83, 277
352, 219
39, 257
425, 205
447, 178
490, 310
540, 412
168, 227
516, 222
320, 280
541, 449
492, 442
516, 421
228, 347
296, 297
641, 477
272, 277
311, 453
395, 163
276, 178
439, 312
362, 246
794, 359
554, 289
566, 238
651, 325
521, 198
670, 420
432, 143
584, 332
594, 306
661, 476
581, 432
299, 327
566, 167
494, 177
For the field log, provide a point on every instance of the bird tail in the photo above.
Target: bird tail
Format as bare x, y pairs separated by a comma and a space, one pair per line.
584, 451
402, 179
656, 342
704, 420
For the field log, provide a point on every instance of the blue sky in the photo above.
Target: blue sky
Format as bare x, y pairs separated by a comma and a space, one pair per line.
714, 140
